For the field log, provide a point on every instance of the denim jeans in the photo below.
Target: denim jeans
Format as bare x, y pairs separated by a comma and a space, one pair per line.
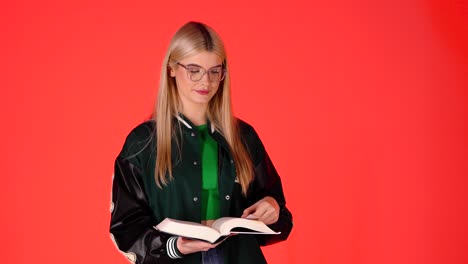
212, 256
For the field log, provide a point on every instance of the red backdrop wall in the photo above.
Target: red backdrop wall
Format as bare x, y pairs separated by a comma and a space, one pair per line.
361, 105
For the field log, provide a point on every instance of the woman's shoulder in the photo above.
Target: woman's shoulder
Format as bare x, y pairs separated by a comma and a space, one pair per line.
247, 130
244, 127
140, 139
249, 135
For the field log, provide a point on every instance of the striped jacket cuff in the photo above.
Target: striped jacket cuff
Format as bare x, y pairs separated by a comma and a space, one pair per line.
171, 248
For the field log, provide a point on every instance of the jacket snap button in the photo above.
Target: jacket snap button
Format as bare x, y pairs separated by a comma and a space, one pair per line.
227, 197
195, 199
193, 134
195, 163
232, 161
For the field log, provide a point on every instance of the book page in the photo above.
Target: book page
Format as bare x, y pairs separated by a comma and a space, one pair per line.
188, 229
225, 224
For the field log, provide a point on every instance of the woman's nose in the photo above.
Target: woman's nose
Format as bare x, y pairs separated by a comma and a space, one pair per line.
205, 78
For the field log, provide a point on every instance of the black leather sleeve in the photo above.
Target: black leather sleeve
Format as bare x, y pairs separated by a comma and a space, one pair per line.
267, 182
131, 219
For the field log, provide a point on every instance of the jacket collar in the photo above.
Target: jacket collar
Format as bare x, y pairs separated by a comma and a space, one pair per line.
187, 123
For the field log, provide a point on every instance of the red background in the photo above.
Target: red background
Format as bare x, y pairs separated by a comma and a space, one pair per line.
361, 104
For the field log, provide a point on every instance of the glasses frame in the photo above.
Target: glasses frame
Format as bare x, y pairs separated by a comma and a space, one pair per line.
204, 71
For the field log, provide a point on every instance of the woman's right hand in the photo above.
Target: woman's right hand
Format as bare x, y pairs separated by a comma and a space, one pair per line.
187, 245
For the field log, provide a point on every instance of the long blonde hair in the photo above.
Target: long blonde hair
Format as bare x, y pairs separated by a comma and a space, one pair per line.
191, 38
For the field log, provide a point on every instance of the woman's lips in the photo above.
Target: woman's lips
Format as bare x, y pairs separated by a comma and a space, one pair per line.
202, 92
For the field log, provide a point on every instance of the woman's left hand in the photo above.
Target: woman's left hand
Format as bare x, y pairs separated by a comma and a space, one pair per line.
265, 210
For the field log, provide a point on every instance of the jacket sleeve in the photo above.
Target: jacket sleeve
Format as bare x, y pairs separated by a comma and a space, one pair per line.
131, 224
267, 182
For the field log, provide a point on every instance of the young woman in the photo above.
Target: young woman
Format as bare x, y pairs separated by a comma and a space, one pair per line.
194, 161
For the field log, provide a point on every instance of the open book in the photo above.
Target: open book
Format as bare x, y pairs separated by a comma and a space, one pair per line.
219, 229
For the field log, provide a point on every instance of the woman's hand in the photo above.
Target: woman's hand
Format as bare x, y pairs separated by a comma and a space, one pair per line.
265, 210
187, 245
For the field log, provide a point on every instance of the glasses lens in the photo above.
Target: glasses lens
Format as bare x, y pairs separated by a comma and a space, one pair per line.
216, 74
195, 73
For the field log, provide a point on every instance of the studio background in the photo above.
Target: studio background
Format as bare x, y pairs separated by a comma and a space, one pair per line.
362, 106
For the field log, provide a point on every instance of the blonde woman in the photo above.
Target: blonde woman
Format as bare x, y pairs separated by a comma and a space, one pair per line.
194, 161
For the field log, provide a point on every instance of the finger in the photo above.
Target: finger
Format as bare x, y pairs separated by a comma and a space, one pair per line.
249, 210
205, 245
261, 210
207, 248
263, 216
251, 217
269, 216
274, 216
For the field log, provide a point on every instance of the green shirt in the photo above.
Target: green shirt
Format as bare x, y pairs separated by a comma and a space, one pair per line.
209, 164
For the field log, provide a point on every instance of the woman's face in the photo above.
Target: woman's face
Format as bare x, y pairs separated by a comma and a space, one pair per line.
195, 93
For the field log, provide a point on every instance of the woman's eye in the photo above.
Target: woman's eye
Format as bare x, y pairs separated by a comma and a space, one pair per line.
193, 70
215, 71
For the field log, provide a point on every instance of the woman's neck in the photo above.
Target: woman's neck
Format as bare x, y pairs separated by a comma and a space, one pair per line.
197, 115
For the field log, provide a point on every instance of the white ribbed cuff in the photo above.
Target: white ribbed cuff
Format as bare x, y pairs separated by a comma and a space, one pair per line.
171, 248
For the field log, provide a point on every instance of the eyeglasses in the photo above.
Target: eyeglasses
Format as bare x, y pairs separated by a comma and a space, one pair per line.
195, 73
